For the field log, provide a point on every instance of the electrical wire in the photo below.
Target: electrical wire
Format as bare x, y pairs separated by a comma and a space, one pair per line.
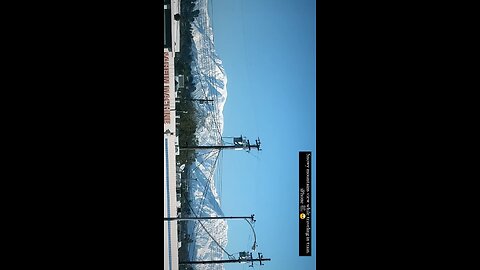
216, 242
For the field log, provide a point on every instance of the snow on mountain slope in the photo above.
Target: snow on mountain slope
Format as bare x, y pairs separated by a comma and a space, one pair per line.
211, 83
209, 75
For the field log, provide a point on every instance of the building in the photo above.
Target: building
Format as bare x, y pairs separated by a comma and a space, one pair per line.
171, 34
171, 30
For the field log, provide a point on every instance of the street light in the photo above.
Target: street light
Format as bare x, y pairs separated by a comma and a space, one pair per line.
254, 235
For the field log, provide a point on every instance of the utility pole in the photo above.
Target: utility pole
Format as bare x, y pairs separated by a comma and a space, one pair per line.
202, 218
239, 260
239, 143
201, 100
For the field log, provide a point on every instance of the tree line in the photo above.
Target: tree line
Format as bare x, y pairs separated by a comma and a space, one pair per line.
188, 121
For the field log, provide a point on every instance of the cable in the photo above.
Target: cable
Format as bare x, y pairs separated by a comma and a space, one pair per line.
207, 184
193, 211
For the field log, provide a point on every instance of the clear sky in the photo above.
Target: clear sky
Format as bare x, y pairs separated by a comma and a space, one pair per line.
268, 51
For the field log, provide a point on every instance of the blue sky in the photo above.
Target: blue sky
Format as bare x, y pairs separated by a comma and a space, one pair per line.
268, 51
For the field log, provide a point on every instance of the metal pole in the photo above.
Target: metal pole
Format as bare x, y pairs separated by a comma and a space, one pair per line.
223, 261
209, 147
200, 218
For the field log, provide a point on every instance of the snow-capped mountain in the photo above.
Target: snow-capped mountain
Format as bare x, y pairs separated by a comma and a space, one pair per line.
211, 82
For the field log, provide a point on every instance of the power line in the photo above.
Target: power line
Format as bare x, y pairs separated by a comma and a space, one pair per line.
193, 211
207, 184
